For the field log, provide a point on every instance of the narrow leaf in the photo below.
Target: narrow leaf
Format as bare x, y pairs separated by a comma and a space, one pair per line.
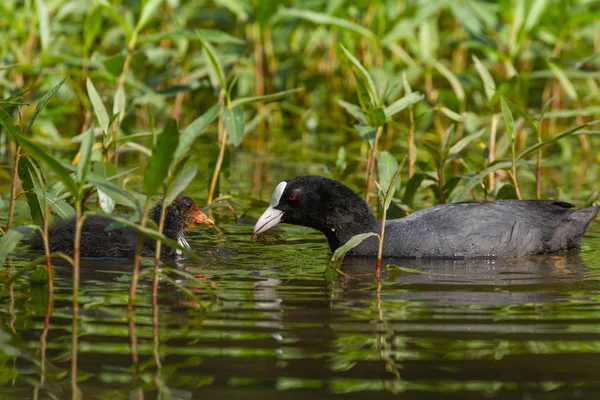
44, 23
61, 172
98, 105
43, 102
8, 242
32, 178
402, 103
265, 98
85, 154
564, 81
353, 110
148, 10
553, 139
234, 124
195, 129
217, 69
364, 75
183, 180
340, 252
489, 86
162, 158
509, 121
461, 192
322, 19
59, 206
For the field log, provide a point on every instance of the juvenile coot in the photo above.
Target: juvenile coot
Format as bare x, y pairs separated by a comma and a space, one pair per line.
97, 241
502, 228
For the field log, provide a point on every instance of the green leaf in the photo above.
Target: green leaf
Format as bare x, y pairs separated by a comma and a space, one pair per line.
195, 129
386, 167
44, 23
148, 10
14, 131
451, 114
403, 269
43, 102
462, 143
59, 206
378, 117
553, 139
457, 87
428, 39
322, 19
237, 7
183, 180
365, 77
353, 110
366, 132
107, 203
119, 104
394, 183
217, 69
461, 192
489, 86
61, 172
509, 120
403, 103
85, 154
233, 118
210, 35
564, 81
91, 27
98, 105
340, 252
117, 17
31, 176
446, 143
162, 158
119, 195
8, 242
265, 98
535, 12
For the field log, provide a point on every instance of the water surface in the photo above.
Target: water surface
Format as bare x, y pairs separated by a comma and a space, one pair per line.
272, 323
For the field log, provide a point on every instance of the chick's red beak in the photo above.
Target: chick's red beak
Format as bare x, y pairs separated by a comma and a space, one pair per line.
199, 217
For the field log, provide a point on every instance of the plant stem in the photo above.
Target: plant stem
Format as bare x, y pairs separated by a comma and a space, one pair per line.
79, 219
137, 257
222, 143
371, 164
492, 149
75, 393
47, 252
13, 188
411, 143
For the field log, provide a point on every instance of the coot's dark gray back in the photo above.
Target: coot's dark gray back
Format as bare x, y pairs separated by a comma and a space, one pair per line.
506, 228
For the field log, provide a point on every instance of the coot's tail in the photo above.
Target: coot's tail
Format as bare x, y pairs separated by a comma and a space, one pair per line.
568, 235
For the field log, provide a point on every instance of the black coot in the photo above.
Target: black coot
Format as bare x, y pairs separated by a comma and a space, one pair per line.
502, 228
97, 241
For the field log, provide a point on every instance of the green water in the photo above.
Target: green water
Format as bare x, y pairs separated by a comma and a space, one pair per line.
272, 324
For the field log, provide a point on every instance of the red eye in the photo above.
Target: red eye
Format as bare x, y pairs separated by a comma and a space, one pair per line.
292, 197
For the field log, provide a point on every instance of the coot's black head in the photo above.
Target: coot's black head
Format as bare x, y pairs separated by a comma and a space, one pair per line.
319, 203
183, 213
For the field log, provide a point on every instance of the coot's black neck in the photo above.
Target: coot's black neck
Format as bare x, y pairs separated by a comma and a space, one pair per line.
353, 218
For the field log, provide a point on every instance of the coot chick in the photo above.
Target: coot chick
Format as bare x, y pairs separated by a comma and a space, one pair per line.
502, 228
120, 242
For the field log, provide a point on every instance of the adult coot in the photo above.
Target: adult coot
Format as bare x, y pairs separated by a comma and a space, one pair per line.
502, 228
121, 241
